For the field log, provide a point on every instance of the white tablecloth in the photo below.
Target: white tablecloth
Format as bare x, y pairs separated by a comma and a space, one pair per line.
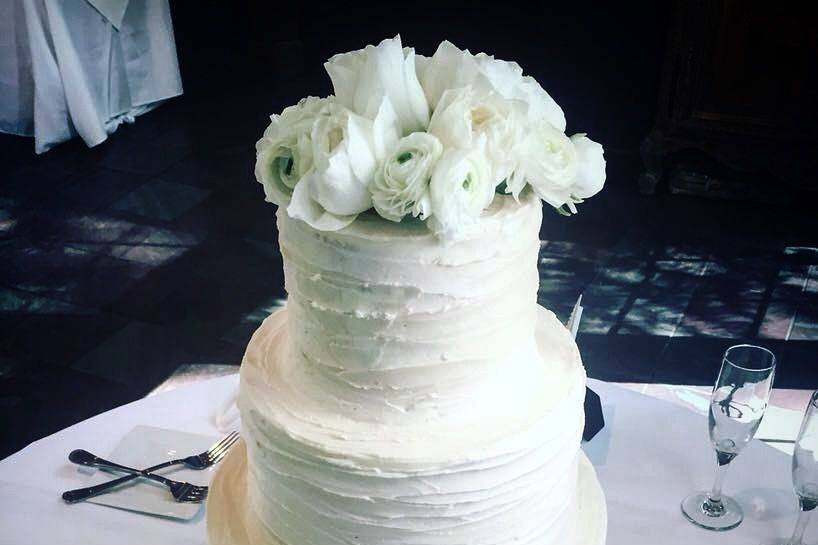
650, 454
75, 67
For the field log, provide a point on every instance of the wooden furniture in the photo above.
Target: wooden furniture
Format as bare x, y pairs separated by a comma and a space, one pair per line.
738, 101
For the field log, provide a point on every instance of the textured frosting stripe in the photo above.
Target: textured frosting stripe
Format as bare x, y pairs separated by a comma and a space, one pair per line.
514, 395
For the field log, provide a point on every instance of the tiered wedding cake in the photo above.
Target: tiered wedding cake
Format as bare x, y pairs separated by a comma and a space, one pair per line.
412, 392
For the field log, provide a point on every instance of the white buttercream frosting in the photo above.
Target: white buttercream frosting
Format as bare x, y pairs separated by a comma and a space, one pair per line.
417, 395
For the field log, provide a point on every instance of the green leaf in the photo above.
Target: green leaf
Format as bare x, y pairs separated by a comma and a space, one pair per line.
562, 211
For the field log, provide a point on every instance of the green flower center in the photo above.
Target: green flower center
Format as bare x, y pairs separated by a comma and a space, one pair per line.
403, 157
335, 137
467, 183
283, 168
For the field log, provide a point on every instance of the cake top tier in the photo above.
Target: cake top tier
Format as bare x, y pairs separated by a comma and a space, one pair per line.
384, 311
435, 138
377, 268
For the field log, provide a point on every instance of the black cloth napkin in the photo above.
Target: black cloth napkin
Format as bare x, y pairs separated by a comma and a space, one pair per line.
594, 420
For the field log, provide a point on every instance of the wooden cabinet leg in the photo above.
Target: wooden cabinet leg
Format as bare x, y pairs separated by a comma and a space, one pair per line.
653, 157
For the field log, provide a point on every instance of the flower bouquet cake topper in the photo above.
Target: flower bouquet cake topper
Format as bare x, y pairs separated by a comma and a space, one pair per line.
434, 138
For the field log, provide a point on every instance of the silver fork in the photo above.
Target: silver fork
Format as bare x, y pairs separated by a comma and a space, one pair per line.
197, 461
182, 492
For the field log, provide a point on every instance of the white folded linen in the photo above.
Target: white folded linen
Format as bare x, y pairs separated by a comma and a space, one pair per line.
66, 70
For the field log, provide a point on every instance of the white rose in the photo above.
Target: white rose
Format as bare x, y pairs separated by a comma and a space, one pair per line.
467, 115
541, 107
346, 149
507, 77
504, 76
305, 207
591, 167
362, 79
450, 68
284, 153
401, 185
547, 161
460, 189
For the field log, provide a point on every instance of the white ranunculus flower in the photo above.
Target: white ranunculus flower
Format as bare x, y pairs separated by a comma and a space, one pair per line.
591, 167
346, 149
461, 188
450, 68
401, 184
547, 161
284, 152
467, 115
362, 79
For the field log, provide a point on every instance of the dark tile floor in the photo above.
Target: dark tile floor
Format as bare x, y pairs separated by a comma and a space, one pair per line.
155, 250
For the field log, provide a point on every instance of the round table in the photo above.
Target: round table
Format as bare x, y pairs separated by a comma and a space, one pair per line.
650, 454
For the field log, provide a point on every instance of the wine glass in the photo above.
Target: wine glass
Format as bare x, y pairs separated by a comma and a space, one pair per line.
805, 468
737, 405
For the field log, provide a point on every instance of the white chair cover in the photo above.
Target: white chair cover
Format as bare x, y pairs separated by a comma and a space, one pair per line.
66, 70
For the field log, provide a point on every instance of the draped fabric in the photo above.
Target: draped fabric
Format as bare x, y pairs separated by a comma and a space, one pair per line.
67, 70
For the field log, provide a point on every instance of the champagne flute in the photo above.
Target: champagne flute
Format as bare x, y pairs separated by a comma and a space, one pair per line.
737, 406
805, 468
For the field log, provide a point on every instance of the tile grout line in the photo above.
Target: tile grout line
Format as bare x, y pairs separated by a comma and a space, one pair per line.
680, 319
795, 312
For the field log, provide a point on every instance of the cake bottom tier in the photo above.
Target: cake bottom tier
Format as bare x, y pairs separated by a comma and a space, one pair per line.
231, 521
528, 483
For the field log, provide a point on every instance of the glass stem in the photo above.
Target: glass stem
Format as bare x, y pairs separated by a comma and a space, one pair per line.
721, 471
801, 524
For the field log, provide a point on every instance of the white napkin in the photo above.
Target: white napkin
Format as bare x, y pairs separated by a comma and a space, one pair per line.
576, 315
